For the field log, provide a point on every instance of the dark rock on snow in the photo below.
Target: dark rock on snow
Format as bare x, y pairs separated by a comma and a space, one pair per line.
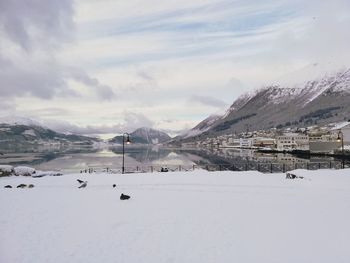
124, 197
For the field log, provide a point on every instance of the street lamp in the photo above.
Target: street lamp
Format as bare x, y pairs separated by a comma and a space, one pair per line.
341, 139
127, 142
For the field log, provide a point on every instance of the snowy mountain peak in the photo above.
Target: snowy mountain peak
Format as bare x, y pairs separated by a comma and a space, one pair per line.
203, 126
319, 100
307, 91
144, 135
241, 101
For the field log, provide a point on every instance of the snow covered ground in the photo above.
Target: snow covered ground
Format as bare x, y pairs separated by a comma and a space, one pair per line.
177, 217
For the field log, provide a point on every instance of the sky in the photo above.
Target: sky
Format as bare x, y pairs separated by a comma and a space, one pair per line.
111, 66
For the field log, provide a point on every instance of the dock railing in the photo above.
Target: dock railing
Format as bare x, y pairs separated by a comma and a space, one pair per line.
243, 166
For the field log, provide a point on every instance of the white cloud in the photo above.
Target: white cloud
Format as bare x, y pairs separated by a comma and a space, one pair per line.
32, 24
151, 57
208, 101
31, 34
131, 122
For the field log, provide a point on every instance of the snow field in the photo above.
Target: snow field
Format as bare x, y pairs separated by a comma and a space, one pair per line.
177, 217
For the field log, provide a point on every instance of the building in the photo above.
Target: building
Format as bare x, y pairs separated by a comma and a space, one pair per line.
323, 141
246, 142
264, 142
293, 142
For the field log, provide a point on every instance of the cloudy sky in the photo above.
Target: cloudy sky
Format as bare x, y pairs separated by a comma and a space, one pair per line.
109, 66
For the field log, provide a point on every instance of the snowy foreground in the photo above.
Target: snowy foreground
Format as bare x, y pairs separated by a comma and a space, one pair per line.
177, 217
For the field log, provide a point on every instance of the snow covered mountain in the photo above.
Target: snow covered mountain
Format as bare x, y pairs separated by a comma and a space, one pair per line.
151, 136
144, 136
24, 132
201, 127
318, 101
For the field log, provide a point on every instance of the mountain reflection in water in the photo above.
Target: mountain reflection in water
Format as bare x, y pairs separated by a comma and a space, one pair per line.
76, 159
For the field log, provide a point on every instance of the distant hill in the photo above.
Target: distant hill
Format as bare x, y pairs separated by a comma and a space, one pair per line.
31, 133
144, 136
318, 101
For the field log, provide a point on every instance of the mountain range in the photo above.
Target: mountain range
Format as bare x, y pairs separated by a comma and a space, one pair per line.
30, 133
24, 131
317, 101
320, 101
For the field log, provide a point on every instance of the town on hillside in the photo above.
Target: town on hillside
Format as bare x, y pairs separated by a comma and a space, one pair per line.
330, 139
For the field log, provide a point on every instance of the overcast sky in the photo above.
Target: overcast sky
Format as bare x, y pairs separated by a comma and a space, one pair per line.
109, 66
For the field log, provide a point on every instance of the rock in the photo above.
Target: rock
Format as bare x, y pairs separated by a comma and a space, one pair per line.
290, 176
164, 169
24, 170
6, 170
293, 176
114, 185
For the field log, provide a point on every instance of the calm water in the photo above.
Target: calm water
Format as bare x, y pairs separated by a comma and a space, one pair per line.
77, 159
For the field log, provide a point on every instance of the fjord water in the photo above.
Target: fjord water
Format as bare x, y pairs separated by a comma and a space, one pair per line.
80, 159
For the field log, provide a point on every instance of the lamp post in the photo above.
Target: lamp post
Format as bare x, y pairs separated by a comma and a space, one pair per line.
127, 142
341, 139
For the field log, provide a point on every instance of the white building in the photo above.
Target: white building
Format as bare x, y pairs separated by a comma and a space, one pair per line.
246, 142
293, 141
